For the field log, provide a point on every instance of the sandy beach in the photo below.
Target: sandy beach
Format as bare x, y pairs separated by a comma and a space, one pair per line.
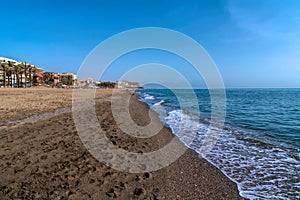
45, 158
19, 103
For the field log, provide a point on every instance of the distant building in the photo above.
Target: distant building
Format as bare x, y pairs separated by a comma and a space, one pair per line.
127, 84
9, 75
38, 76
68, 78
13, 78
1, 78
6, 60
81, 83
89, 81
50, 78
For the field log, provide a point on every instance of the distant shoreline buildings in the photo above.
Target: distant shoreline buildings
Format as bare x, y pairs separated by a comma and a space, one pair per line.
125, 84
21, 74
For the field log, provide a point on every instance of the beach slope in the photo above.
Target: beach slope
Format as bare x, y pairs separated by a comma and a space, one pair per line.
45, 159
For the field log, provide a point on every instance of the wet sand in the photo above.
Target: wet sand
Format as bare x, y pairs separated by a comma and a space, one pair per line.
45, 159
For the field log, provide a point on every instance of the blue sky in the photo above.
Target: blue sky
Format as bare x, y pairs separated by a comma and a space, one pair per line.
254, 43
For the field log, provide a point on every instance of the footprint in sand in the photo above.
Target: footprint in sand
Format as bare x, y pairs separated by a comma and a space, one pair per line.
116, 190
139, 192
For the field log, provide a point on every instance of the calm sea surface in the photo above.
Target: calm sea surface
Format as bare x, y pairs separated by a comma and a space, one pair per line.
259, 146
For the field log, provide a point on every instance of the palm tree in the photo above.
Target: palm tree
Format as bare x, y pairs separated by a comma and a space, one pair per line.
4, 68
34, 71
14, 73
30, 71
21, 72
48, 79
17, 70
25, 68
10, 72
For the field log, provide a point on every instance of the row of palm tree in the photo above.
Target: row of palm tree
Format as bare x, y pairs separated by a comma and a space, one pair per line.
14, 73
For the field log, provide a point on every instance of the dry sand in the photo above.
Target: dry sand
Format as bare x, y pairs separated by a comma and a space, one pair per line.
45, 159
19, 103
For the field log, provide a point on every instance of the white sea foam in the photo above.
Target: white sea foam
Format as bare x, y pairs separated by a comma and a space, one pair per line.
183, 126
159, 103
149, 97
260, 170
262, 166
162, 113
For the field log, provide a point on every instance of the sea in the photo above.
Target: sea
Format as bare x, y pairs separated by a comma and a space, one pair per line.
259, 144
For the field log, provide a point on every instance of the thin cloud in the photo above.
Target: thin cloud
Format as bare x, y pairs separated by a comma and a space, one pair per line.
269, 19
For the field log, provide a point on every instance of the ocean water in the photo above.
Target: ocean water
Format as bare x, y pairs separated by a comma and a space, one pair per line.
259, 145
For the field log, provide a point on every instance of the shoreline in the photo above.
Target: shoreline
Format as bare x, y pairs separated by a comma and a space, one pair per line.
188, 148
46, 159
262, 158
193, 155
